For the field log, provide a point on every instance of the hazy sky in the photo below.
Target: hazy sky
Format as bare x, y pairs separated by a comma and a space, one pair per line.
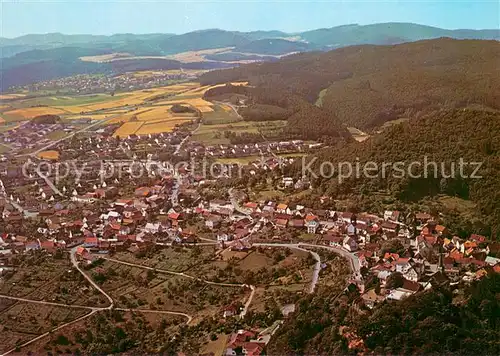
19, 17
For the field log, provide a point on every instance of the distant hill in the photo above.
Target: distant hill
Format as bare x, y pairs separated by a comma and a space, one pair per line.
366, 86
275, 46
61, 40
268, 44
388, 33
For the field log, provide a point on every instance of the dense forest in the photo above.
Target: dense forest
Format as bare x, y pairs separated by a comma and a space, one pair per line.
444, 137
366, 86
463, 321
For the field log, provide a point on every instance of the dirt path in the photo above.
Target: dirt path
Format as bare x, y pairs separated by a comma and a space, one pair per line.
317, 265
75, 264
182, 274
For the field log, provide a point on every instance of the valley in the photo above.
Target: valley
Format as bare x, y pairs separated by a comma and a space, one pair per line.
150, 209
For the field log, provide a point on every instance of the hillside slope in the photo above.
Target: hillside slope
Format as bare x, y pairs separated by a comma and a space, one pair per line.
434, 322
445, 137
366, 86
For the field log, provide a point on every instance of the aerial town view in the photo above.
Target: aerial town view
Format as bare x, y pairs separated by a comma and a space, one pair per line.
325, 181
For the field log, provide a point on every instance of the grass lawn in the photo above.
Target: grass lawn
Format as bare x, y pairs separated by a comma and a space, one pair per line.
216, 347
269, 194
307, 237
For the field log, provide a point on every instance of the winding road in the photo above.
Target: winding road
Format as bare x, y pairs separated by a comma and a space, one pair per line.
353, 259
75, 264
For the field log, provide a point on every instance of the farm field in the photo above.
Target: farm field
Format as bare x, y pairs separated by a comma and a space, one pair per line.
196, 56
160, 126
202, 90
221, 114
134, 287
21, 321
197, 102
42, 277
148, 73
266, 266
50, 155
238, 160
128, 128
177, 259
11, 96
162, 113
71, 105
214, 134
153, 120
29, 113
76, 338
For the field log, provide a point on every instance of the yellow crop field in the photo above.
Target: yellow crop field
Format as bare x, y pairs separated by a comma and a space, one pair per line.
161, 112
4, 107
11, 96
93, 117
128, 128
158, 127
202, 90
137, 97
196, 102
205, 108
126, 117
72, 109
29, 113
175, 119
52, 155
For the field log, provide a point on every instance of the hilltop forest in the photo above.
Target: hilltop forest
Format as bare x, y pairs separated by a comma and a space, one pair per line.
367, 86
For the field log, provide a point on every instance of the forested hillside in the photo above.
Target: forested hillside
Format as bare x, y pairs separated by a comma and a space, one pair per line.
366, 86
444, 137
435, 322
305, 121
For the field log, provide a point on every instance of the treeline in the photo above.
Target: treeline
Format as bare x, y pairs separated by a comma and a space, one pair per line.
243, 138
366, 86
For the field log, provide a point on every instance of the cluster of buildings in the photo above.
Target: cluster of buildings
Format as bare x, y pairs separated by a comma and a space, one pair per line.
397, 254
90, 84
30, 135
255, 149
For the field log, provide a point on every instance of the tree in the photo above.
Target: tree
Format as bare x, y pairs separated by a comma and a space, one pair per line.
394, 281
